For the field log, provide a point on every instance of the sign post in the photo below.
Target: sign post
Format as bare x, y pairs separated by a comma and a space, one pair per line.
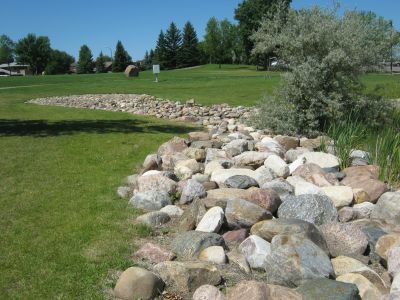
156, 71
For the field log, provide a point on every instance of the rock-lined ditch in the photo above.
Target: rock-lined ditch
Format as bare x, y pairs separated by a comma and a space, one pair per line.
239, 214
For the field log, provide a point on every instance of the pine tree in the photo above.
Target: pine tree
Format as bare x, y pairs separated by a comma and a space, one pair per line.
100, 61
146, 60
160, 52
151, 57
121, 58
173, 42
85, 61
189, 55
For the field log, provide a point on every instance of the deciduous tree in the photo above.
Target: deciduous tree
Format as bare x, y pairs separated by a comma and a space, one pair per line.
59, 62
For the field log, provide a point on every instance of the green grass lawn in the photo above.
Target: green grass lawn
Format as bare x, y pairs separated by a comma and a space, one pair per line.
236, 85
62, 227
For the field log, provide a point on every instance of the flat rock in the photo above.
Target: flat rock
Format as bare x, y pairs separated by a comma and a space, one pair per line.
186, 277
172, 210
327, 289
190, 244
344, 239
314, 174
138, 283
206, 292
366, 289
212, 220
150, 200
307, 188
294, 260
255, 249
213, 254
388, 207
229, 193
288, 142
253, 159
328, 162
154, 218
240, 213
340, 195
257, 290
292, 154
198, 136
240, 182
270, 228
280, 186
315, 209
154, 253
278, 165
192, 190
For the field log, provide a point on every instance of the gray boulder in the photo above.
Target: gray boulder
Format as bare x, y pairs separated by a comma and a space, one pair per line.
154, 218
327, 289
191, 243
192, 190
280, 186
240, 213
294, 260
388, 207
151, 200
316, 209
240, 182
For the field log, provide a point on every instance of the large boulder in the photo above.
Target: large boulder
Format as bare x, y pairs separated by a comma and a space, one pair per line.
221, 175
240, 213
150, 200
190, 244
184, 169
316, 175
257, 290
280, 186
186, 277
152, 162
157, 183
287, 142
340, 195
236, 147
135, 283
315, 209
213, 254
270, 228
278, 165
253, 159
366, 289
240, 182
192, 190
255, 249
195, 153
294, 260
388, 207
328, 162
208, 292
154, 218
174, 145
266, 198
212, 220
385, 243
264, 174
344, 239
327, 289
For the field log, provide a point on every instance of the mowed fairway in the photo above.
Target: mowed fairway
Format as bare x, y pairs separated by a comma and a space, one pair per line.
63, 230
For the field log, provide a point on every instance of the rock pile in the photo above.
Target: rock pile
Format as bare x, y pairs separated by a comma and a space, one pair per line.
266, 217
150, 105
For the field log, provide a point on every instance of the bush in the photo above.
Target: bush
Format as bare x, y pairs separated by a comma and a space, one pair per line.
326, 54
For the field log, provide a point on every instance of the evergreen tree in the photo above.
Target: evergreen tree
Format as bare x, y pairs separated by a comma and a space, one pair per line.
189, 52
151, 57
85, 61
59, 62
160, 52
121, 58
34, 51
146, 60
100, 63
173, 42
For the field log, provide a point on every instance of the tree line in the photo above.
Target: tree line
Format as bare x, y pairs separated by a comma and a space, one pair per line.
36, 52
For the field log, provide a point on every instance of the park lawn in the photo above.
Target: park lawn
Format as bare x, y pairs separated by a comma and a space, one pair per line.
232, 84
63, 230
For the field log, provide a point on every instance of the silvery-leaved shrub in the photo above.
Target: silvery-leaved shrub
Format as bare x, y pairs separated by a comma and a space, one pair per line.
326, 53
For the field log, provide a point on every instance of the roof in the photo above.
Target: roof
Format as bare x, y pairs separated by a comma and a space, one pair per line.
13, 64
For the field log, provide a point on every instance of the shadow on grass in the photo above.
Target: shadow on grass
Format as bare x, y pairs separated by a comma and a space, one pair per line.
43, 128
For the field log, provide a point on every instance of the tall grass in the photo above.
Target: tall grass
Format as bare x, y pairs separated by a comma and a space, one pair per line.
383, 145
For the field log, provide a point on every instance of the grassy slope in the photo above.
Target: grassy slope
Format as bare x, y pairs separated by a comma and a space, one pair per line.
62, 227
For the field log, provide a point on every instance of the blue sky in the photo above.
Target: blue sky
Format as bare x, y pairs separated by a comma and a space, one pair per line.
137, 23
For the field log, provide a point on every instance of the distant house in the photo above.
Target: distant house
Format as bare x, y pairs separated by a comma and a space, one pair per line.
14, 69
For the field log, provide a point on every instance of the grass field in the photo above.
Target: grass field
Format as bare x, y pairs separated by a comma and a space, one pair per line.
62, 227
236, 85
